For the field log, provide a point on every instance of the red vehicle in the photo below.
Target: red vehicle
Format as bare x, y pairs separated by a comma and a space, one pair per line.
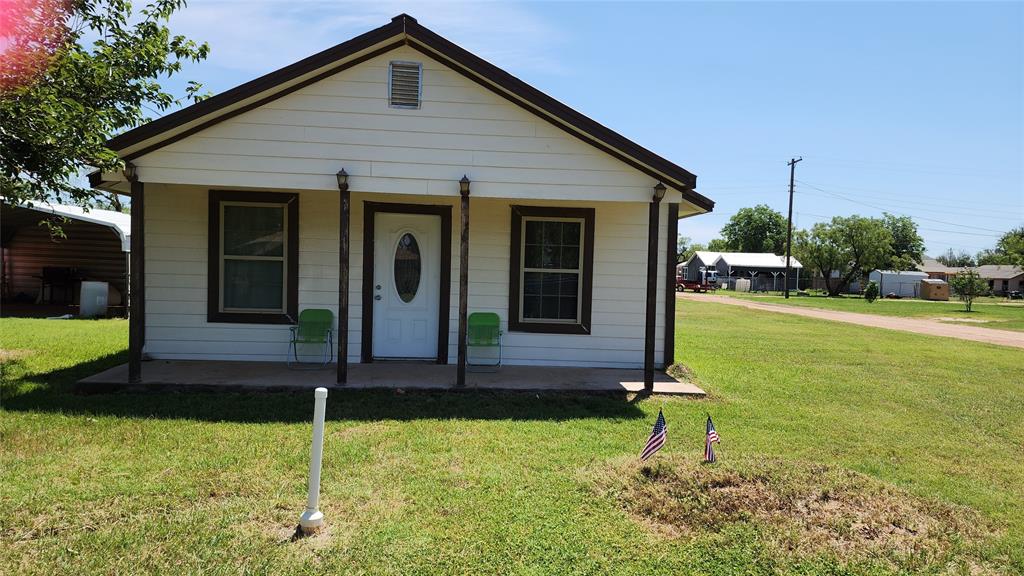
694, 285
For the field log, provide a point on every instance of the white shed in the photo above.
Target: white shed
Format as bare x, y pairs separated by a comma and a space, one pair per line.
906, 284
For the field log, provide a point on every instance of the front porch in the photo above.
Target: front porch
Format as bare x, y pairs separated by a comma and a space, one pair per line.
192, 375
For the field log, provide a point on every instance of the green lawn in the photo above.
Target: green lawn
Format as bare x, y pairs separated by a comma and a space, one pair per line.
987, 312
487, 482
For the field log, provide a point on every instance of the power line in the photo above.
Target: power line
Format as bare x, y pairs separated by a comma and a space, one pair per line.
925, 229
961, 212
883, 195
848, 199
909, 167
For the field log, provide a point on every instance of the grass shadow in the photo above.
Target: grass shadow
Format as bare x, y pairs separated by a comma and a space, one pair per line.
54, 392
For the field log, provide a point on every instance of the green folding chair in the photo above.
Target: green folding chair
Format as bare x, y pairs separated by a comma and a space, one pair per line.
314, 327
484, 331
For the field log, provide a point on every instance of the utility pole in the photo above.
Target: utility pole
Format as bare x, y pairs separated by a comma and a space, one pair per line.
789, 220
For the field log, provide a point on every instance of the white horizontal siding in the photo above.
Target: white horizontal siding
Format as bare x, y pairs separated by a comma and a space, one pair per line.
176, 280
300, 140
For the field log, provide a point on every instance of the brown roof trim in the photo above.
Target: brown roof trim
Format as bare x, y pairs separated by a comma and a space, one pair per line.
435, 46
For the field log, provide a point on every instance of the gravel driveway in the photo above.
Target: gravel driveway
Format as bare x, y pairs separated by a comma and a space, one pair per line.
916, 325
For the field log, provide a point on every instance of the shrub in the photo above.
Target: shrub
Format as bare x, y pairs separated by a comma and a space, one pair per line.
871, 292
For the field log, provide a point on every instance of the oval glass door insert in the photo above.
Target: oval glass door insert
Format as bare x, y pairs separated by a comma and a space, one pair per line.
407, 267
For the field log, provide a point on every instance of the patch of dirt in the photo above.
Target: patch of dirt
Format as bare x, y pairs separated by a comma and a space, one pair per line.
682, 372
8, 355
803, 509
968, 320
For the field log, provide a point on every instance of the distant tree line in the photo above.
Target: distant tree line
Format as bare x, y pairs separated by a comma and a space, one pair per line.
1008, 250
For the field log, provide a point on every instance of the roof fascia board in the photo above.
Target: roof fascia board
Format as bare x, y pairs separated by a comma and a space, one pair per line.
125, 239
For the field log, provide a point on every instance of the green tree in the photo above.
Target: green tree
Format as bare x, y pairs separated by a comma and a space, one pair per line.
968, 286
682, 248
907, 244
718, 245
847, 246
63, 95
757, 229
1009, 250
690, 250
955, 259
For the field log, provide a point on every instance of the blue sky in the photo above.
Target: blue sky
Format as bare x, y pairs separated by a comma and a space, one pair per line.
915, 108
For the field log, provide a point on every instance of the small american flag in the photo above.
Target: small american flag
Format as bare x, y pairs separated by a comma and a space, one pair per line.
657, 439
710, 436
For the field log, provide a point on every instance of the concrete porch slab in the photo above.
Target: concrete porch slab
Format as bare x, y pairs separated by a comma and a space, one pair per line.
185, 375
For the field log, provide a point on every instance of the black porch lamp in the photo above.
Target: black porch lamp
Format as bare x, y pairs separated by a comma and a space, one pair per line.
342, 177
464, 185
130, 172
659, 192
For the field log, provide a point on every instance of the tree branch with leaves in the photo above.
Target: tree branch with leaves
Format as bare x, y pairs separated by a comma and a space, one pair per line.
73, 73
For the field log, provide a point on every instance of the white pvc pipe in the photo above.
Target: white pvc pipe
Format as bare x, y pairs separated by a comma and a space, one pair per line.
312, 519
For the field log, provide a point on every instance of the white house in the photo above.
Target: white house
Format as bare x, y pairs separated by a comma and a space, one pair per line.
334, 183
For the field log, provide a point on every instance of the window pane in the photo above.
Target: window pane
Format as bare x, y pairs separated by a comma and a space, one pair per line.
567, 308
571, 233
254, 230
570, 257
531, 307
532, 257
407, 267
549, 307
532, 283
534, 232
568, 285
255, 284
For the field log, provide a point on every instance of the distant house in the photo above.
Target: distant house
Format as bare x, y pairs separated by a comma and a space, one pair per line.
766, 271
937, 270
43, 273
1002, 279
694, 269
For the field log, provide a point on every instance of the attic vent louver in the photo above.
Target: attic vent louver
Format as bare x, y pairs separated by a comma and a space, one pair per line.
405, 84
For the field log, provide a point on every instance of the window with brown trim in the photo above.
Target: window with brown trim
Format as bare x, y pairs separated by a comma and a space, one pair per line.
253, 256
551, 269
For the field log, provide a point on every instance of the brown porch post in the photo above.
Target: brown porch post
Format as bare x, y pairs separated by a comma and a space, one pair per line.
652, 287
463, 282
672, 257
343, 249
137, 278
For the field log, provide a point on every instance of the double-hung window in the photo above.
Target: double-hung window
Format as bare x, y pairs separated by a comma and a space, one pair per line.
253, 254
552, 256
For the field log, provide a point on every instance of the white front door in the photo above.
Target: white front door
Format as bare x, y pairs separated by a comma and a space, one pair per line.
406, 273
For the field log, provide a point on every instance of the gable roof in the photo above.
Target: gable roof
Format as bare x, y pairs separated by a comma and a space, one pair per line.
757, 260
998, 271
707, 258
402, 30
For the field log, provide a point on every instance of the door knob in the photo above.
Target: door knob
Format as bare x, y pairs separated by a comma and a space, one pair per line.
377, 297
